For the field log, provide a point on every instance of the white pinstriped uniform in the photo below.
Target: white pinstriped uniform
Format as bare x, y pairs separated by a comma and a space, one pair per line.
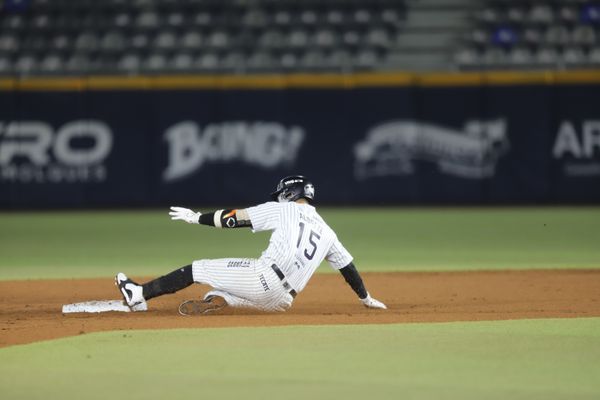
300, 241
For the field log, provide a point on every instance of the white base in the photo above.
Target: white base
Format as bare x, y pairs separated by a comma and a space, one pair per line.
98, 306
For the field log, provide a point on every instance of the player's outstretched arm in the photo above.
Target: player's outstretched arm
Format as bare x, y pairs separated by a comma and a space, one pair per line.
218, 219
353, 278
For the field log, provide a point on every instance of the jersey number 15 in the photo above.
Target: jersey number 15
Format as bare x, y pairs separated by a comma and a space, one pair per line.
312, 239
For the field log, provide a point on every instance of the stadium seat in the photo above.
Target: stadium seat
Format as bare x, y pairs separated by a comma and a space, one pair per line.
181, 62
8, 44
546, 56
583, 35
520, 56
494, 57
147, 20
155, 62
52, 63
87, 42
112, 42
297, 38
557, 36
139, 42
165, 40
516, 15
272, 39
288, 61
191, 40
129, 63
339, 59
26, 64
122, 20
207, 62
77, 64
541, 14
366, 59
5, 66
466, 57
61, 42
532, 36
234, 61
594, 57
261, 61
573, 56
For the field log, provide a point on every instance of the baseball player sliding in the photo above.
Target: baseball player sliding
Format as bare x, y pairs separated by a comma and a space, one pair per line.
299, 243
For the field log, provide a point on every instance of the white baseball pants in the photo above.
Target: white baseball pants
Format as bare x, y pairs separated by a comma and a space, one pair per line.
243, 282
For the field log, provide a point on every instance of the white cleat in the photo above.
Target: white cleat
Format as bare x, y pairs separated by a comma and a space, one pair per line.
133, 294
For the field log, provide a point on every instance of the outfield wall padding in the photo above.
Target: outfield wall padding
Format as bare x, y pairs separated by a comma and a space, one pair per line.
403, 144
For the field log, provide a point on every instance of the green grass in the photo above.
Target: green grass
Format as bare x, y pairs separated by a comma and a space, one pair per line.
96, 244
527, 359
535, 359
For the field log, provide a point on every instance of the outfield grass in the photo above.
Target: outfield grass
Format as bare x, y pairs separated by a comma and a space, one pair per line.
526, 359
96, 244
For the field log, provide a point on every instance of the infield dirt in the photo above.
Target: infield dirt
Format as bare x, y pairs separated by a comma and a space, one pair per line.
31, 310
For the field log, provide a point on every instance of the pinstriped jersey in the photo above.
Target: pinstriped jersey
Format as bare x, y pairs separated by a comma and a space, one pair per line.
300, 241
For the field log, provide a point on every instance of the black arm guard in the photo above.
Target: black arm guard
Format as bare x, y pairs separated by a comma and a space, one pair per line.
225, 219
353, 278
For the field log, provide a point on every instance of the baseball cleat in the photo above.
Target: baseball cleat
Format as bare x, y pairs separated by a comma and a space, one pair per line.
133, 294
209, 305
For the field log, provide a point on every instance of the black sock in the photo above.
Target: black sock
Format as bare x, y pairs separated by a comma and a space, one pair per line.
170, 283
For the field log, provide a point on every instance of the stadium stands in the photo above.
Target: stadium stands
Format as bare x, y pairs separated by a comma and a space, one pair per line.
532, 35
57, 37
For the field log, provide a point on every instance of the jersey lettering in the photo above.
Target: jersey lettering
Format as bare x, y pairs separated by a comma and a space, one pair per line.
312, 235
300, 241
311, 240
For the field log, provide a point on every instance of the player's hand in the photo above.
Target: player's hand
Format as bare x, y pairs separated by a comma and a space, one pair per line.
185, 214
370, 302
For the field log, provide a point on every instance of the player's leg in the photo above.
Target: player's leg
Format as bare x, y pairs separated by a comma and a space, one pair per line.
238, 283
136, 295
242, 283
213, 301
216, 300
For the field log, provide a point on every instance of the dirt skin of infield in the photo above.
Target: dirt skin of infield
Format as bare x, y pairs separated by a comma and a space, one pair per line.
31, 311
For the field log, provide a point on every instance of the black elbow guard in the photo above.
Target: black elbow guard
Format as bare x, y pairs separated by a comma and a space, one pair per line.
226, 219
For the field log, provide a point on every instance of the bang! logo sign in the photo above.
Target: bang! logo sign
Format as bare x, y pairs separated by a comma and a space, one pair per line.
261, 144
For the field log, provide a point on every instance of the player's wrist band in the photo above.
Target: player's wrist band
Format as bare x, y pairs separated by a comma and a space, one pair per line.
207, 219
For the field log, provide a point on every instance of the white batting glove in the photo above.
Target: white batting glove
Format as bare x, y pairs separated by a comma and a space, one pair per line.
185, 214
370, 302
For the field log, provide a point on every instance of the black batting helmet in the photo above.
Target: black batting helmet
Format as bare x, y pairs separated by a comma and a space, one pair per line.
292, 188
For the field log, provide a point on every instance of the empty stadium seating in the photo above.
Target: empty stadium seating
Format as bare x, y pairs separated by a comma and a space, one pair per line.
58, 37
151, 36
532, 35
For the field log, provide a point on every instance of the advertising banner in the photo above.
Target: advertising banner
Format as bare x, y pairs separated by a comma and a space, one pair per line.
531, 144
